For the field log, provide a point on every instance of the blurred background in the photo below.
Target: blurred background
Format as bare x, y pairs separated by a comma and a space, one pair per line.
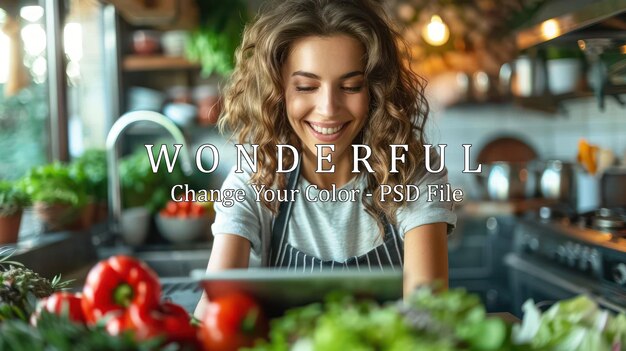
535, 86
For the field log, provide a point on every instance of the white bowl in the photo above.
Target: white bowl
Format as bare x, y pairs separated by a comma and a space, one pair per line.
180, 113
140, 98
173, 42
182, 230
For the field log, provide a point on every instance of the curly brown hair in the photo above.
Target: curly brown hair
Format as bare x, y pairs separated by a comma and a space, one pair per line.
254, 106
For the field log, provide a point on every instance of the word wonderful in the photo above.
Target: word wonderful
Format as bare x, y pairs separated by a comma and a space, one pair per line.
361, 154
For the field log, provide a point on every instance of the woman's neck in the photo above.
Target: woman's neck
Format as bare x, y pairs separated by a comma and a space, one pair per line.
340, 176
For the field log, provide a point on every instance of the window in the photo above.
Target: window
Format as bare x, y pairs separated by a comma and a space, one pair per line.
25, 115
24, 137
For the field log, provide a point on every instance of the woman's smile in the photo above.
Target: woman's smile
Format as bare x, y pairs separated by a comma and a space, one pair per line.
327, 132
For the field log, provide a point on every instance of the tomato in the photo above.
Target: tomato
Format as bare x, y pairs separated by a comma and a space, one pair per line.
232, 322
197, 210
64, 303
171, 208
169, 321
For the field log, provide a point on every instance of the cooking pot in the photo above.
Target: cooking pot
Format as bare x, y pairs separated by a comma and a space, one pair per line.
510, 180
558, 181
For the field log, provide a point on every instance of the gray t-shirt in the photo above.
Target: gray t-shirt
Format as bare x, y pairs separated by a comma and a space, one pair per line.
331, 230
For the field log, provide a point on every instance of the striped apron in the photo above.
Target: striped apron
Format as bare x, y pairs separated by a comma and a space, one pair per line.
387, 256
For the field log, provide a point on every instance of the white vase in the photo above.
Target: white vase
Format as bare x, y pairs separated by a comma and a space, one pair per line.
563, 75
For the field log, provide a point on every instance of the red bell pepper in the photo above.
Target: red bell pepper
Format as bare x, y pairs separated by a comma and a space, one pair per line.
169, 320
64, 302
115, 284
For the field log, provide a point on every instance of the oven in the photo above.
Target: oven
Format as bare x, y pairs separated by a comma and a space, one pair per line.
475, 253
546, 284
556, 259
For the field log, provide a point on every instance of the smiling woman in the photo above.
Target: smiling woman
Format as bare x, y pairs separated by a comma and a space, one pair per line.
313, 72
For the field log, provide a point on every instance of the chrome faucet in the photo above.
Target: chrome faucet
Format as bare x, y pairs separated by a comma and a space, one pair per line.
115, 191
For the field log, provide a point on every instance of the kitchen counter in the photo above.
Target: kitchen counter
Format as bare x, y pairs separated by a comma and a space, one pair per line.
495, 208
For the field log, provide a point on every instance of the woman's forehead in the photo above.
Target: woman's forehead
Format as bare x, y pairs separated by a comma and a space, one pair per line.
325, 57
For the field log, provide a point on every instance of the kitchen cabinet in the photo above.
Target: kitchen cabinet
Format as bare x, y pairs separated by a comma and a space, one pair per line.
476, 251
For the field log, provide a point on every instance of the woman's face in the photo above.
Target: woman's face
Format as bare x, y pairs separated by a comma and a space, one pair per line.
326, 95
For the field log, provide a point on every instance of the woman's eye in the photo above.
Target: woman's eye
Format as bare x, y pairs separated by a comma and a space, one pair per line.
353, 89
305, 88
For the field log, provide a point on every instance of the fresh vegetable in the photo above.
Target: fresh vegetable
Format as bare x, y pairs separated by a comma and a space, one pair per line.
575, 325
58, 332
20, 288
451, 320
64, 303
183, 209
169, 321
232, 322
342, 323
115, 284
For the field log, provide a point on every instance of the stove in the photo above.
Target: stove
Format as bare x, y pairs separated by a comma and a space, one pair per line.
558, 253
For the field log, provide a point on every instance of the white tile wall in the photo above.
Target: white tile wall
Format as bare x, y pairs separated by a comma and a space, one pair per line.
552, 136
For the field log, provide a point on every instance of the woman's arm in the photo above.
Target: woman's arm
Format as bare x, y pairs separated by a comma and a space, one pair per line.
425, 256
228, 252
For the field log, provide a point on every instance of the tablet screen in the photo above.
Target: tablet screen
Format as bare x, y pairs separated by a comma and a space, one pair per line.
278, 290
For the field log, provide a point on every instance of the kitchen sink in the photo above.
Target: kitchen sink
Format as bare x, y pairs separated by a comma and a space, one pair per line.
174, 270
174, 263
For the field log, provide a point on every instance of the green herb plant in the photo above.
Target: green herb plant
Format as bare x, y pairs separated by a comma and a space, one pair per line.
141, 186
214, 42
20, 288
12, 199
58, 332
55, 184
92, 167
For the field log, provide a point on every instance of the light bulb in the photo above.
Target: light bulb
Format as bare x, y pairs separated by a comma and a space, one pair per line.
550, 29
31, 13
436, 32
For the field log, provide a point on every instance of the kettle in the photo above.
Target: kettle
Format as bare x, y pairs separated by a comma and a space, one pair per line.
558, 182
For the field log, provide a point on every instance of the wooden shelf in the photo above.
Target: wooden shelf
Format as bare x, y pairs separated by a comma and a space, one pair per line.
552, 103
139, 63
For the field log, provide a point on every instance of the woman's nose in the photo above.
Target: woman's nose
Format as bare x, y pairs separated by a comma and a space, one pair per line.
328, 102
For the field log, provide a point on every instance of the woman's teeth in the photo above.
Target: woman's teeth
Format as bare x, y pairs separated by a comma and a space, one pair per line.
326, 131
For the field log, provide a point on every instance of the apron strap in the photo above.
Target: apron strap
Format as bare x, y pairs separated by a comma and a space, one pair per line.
279, 226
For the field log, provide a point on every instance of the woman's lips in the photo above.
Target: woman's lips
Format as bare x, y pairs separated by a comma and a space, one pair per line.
327, 132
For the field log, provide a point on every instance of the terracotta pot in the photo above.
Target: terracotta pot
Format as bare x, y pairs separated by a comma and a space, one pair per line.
58, 217
88, 216
10, 228
102, 212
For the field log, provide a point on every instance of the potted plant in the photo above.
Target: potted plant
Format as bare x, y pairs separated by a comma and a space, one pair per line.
144, 192
564, 69
91, 167
58, 196
214, 42
12, 202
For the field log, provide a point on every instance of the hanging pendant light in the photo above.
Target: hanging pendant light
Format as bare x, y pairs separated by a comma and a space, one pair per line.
436, 33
